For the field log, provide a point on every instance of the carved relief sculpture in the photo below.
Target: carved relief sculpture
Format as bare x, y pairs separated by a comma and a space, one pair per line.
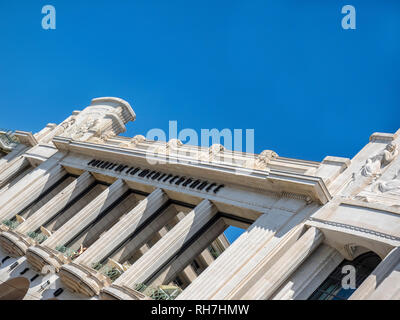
375, 164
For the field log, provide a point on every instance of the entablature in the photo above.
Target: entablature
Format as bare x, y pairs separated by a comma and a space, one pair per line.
281, 182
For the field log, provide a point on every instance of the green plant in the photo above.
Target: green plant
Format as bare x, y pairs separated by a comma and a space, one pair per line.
66, 251
32, 234
112, 273
141, 287
12, 224
97, 266
38, 237
160, 293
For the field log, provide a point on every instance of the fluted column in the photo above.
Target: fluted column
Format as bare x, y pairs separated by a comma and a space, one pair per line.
52, 207
123, 229
29, 188
284, 267
8, 158
87, 215
377, 276
260, 241
163, 250
389, 289
79, 275
196, 248
11, 164
308, 277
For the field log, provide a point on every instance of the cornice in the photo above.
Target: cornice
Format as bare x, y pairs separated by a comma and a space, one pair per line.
26, 138
269, 180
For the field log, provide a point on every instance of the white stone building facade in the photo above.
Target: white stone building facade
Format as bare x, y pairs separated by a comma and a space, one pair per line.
89, 214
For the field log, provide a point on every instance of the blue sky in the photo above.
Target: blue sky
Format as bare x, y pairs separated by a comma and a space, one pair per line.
283, 68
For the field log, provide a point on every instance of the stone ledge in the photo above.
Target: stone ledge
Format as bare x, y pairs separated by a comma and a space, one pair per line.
82, 280
338, 161
39, 257
14, 244
26, 138
115, 292
383, 137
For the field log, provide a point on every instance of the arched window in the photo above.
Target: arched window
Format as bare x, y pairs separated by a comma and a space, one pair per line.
331, 288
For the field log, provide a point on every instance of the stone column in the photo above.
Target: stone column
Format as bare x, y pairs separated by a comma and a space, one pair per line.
162, 251
284, 267
196, 248
309, 276
29, 188
17, 151
389, 289
79, 275
12, 163
139, 244
377, 276
123, 229
87, 215
271, 232
52, 207
45, 254
12, 170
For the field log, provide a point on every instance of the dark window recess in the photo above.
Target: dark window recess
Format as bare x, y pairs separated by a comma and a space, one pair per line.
180, 180
24, 271
34, 277
196, 267
98, 165
154, 177
150, 174
168, 177
129, 170
134, 171
108, 165
194, 184
178, 282
187, 182
173, 179
212, 185
104, 164
202, 186
58, 292
144, 173
218, 188
331, 288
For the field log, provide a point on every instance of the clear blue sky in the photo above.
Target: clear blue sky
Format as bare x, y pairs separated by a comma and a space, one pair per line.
284, 68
